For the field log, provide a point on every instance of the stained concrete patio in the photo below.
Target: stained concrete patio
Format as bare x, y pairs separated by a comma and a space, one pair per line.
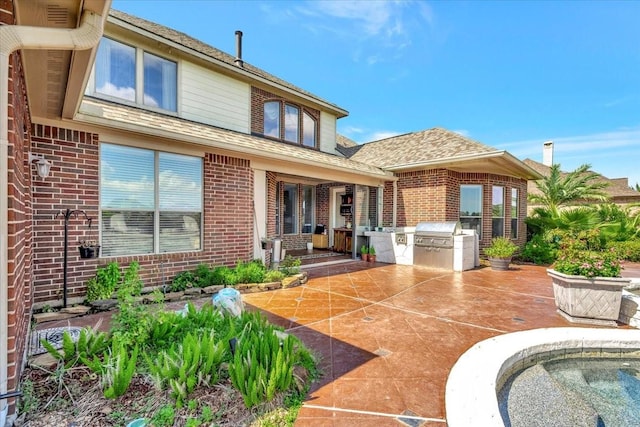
388, 335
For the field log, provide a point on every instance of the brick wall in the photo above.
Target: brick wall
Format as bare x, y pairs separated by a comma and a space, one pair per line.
19, 289
434, 195
74, 184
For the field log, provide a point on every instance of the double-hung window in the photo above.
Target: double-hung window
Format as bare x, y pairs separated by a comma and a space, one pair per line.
131, 74
150, 201
471, 207
290, 208
497, 211
289, 123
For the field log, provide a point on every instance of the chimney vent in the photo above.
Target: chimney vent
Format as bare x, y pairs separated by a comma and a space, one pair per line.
547, 153
238, 61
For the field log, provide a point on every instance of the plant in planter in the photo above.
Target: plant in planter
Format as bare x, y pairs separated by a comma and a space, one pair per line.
364, 253
89, 249
587, 286
500, 253
372, 254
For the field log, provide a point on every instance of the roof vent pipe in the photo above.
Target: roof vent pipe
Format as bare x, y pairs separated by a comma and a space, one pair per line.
547, 153
238, 60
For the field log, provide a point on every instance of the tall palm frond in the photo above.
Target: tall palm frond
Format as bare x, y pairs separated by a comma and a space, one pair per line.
558, 190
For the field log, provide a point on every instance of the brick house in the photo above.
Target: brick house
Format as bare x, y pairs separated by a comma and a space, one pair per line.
181, 154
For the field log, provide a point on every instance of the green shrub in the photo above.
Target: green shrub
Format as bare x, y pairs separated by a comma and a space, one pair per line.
182, 281
628, 250
577, 257
273, 276
540, 251
104, 284
290, 265
250, 272
223, 276
203, 275
501, 247
119, 368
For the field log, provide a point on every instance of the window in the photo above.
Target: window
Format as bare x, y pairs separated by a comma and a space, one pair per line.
272, 119
514, 213
497, 211
308, 208
159, 82
290, 206
291, 123
471, 207
150, 202
285, 122
309, 126
116, 68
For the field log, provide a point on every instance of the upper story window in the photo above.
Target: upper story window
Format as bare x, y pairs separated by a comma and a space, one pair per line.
131, 74
287, 122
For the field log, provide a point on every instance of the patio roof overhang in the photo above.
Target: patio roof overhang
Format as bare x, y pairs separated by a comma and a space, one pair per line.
263, 153
496, 162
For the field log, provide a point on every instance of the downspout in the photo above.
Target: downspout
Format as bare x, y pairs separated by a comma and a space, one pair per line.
12, 38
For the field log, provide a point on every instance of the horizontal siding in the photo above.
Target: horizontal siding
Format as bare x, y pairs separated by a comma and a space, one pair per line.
327, 133
214, 99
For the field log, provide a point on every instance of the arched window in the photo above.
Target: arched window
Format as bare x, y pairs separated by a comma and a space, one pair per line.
291, 123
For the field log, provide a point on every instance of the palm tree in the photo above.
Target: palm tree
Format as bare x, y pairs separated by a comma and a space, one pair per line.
560, 189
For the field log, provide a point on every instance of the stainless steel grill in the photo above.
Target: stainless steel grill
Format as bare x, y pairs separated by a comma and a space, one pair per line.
433, 244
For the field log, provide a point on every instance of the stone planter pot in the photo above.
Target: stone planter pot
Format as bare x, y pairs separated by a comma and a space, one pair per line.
588, 300
500, 264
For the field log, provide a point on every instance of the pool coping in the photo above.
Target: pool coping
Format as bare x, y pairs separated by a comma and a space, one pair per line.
472, 385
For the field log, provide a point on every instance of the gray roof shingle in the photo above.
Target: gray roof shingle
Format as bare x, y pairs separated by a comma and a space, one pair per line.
416, 148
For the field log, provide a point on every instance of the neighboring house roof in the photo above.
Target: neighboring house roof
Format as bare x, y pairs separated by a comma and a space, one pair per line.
188, 42
618, 189
437, 148
112, 115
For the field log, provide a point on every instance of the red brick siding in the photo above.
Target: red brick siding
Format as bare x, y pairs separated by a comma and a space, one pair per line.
19, 215
74, 184
434, 195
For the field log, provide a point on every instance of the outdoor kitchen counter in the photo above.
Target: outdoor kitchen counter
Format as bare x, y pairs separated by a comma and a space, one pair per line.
393, 247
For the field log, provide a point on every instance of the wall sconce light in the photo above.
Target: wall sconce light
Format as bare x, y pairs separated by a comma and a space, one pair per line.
42, 165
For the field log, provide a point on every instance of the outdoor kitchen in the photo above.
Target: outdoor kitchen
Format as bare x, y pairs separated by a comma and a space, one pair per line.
442, 245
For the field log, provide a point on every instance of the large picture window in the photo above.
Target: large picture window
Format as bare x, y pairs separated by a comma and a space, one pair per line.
471, 207
497, 211
150, 201
514, 213
116, 68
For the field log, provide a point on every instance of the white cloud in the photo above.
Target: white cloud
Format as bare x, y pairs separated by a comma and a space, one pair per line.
463, 132
376, 136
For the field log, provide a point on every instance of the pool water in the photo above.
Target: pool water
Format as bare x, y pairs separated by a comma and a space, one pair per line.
574, 392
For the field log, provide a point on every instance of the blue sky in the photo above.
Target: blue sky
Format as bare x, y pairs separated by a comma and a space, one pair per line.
510, 74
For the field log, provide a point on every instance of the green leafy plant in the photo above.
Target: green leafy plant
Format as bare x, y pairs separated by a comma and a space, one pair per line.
628, 250
250, 272
583, 255
290, 265
263, 362
195, 361
501, 247
223, 276
90, 343
540, 250
273, 276
104, 284
364, 250
372, 250
118, 370
182, 281
165, 417
131, 282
